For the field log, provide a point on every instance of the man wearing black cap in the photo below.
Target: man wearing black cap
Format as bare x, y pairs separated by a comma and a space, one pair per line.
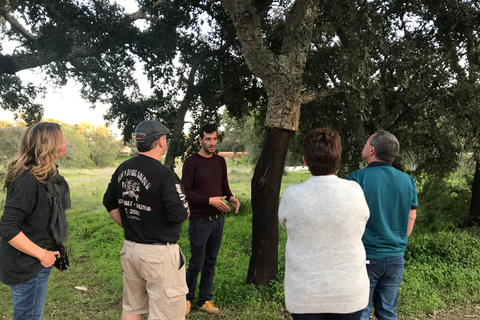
148, 201
204, 176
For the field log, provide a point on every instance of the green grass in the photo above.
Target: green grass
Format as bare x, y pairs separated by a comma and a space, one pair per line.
442, 268
95, 242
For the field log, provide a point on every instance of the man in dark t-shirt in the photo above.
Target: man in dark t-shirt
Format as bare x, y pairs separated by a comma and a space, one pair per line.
204, 176
148, 201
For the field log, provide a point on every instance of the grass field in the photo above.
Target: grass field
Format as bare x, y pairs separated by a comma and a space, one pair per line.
92, 287
442, 269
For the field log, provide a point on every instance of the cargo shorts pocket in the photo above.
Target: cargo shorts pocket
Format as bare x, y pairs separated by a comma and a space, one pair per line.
152, 267
176, 292
174, 304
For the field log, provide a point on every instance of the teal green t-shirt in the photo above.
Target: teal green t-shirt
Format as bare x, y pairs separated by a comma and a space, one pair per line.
390, 195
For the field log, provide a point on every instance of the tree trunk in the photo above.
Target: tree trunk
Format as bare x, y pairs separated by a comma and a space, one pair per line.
474, 215
176, 147
266, 184
281, 74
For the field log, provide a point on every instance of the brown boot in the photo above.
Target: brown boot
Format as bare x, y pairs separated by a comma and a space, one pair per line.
209, 308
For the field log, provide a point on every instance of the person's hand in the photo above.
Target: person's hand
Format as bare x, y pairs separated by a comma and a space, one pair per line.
235, 203
48, 258
218, 203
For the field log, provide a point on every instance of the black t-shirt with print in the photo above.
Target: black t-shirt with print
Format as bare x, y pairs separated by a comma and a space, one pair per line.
151, 200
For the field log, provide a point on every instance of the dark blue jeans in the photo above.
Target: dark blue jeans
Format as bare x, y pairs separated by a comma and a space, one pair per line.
205, 239
327, 316
385, 276
28, 298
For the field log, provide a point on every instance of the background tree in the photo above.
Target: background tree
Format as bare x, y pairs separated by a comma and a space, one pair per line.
8, 145
243, 134
18, 98
103, 148
407, 68
97, 148
396, 81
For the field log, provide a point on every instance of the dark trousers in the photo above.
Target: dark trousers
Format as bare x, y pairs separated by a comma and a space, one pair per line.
327, 316
205, 239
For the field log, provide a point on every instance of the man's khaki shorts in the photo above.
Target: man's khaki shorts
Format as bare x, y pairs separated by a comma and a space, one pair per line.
153, 280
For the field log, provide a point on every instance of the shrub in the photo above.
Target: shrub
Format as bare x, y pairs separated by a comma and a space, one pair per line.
104, 150
441, 269
443, 204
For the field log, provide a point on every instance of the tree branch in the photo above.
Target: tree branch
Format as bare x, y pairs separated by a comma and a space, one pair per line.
17, 25
295, 24
142, 12
312, 96
298, 32
33, 60
7, 65
36, 59
247, 22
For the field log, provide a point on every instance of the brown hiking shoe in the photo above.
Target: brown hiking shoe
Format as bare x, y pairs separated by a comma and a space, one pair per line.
187, 311
209, 308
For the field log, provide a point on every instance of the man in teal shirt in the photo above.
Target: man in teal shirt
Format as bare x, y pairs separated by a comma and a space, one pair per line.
392, 199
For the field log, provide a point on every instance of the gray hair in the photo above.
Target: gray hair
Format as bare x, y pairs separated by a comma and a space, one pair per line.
386, 145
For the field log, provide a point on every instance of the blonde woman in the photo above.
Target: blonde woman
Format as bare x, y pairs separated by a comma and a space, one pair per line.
33, 221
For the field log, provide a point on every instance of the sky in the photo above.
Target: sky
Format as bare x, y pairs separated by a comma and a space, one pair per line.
63, 104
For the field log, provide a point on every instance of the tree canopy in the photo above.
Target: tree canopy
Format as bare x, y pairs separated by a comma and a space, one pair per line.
358, 66
183, 47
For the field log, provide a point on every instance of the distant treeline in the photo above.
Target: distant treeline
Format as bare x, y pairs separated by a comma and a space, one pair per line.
87, 146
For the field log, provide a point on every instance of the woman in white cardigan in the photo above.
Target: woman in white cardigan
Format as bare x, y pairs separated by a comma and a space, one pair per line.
325, 217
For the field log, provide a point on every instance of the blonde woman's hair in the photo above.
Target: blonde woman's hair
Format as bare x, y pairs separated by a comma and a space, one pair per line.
38, 149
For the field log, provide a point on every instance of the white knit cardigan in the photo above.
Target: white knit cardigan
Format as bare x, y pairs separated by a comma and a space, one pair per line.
325, 269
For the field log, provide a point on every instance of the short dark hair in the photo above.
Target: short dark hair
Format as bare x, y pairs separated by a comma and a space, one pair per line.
147, 146
322, 150
207, 128
386, 145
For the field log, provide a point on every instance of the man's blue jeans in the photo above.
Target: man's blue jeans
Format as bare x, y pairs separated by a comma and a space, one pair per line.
205, 239
28, 298
385, 277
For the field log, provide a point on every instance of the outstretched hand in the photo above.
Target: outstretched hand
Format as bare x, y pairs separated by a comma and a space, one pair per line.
218, 203
235, 203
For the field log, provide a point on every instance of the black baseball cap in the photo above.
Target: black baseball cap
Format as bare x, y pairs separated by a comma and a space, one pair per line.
150, 130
